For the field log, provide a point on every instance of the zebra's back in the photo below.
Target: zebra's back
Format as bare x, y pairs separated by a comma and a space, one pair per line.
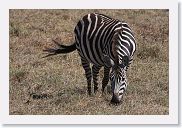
93, 35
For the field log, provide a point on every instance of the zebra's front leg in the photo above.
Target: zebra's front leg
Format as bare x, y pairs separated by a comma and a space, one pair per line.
86, 66
106, 78
95, 71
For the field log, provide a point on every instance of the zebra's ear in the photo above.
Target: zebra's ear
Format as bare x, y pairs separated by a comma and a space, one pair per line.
108, 61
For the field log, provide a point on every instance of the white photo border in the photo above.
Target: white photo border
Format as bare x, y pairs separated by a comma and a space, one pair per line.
172, 118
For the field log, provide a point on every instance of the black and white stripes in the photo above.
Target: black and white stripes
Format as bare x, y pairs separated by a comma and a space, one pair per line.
103, 41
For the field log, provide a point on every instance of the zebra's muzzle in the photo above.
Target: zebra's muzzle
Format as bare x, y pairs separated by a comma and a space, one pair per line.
115, 99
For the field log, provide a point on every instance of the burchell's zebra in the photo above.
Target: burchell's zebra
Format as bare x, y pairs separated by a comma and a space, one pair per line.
102, 41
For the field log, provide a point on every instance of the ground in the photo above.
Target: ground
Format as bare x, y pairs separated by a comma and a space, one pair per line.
57, 85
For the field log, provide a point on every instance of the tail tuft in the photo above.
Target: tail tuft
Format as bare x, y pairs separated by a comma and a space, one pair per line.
60, 50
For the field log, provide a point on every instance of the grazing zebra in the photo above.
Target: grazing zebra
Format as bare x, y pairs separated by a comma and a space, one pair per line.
102, 41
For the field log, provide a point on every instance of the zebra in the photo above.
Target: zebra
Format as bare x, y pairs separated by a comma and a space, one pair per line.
102, 41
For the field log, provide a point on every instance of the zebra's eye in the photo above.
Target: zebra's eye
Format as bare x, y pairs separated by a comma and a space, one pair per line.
121, 65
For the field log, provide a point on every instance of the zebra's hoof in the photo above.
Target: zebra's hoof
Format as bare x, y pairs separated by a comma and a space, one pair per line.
89, 91
103, 93
95, 89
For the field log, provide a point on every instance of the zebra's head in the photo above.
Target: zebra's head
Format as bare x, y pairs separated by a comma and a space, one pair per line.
118, 79
119, 64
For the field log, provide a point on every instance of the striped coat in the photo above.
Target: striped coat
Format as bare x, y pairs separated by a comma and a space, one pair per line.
102, 41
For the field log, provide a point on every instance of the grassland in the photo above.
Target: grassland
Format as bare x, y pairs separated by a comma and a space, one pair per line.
57, 85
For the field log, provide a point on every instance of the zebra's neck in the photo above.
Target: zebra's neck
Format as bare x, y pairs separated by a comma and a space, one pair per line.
113, 47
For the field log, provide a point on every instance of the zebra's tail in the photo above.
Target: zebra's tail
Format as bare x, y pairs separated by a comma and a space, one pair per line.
60, 50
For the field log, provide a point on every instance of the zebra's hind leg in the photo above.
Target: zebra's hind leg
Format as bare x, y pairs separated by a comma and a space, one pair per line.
106, 78
95, 71
86, 66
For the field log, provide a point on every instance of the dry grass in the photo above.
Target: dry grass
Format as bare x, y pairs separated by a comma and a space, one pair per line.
57, 85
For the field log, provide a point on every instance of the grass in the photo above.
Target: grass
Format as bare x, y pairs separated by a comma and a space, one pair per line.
57, 85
